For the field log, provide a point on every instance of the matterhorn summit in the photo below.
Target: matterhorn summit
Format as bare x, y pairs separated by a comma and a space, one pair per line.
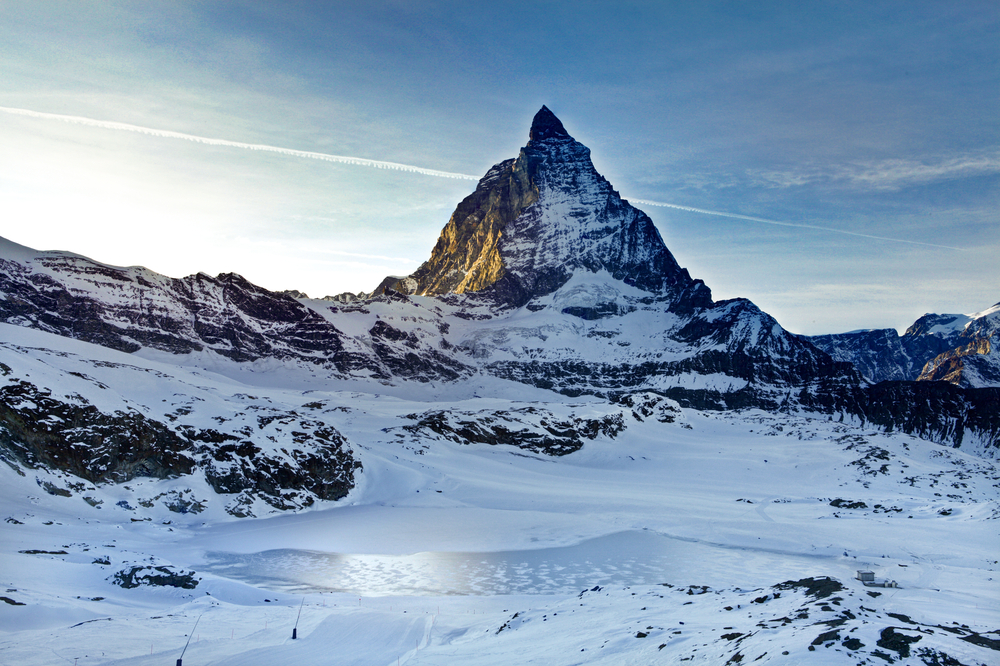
535, 220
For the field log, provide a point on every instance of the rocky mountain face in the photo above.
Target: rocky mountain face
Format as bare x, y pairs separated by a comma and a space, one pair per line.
959, 349
535, 220
130, 309
543, 278
64, 407
974, 359
548, 251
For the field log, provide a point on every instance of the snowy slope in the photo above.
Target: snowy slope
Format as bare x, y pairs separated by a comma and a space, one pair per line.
448, 534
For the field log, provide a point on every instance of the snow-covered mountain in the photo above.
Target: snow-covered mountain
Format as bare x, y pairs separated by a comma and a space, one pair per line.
544, 276
433, 472
535, 221
961, 349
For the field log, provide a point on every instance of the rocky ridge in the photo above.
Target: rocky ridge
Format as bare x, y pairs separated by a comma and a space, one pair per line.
536, 219
959, 349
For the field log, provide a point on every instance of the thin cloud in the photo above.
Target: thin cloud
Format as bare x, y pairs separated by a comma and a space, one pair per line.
892, 174
814, 227
167, 134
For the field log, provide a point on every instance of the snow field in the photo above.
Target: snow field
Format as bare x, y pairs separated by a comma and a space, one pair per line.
461, 536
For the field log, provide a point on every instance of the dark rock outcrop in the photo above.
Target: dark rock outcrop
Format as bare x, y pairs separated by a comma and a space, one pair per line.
530, 428
38, 430
161, 576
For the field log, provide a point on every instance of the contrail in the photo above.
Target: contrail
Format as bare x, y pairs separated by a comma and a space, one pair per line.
378, 164
791, 224
167, 134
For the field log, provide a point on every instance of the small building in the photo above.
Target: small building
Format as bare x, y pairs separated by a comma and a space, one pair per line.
867, 579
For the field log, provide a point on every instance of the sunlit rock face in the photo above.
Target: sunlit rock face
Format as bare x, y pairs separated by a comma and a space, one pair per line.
974, 357
536, 219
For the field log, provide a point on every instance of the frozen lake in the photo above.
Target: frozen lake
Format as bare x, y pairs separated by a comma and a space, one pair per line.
634, 557
624, 558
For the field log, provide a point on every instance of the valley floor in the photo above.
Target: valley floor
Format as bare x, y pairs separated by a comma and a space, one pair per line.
708, 539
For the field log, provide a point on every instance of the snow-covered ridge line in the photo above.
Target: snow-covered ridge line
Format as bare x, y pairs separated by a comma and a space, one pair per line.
960, 349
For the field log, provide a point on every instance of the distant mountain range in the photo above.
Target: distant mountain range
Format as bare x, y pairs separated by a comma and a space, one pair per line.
544, 277
961, 349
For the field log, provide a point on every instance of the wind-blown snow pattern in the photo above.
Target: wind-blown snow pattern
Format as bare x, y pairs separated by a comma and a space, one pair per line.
547, 445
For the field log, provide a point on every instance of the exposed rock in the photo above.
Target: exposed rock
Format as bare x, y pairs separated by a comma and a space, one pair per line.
531, 428
974, 359
39, 431
130, 308
165, 576
535, 219
898, 642
937, 411
959, 349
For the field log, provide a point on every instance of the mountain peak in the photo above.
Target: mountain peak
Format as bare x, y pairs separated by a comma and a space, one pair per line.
535, 220
545, 125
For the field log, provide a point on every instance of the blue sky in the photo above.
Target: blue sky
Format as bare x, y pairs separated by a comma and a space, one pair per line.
868, 129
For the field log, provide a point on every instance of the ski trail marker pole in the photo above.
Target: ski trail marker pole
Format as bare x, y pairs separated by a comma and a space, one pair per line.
181, 658
295, 629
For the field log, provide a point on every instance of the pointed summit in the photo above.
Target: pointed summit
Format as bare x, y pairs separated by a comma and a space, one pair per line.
545, 125
535, 221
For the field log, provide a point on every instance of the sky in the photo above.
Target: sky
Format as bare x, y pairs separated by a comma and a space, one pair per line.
836, 163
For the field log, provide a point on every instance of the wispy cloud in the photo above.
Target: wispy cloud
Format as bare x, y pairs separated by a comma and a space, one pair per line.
891, 174
815, 227
167, 134
885, 172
